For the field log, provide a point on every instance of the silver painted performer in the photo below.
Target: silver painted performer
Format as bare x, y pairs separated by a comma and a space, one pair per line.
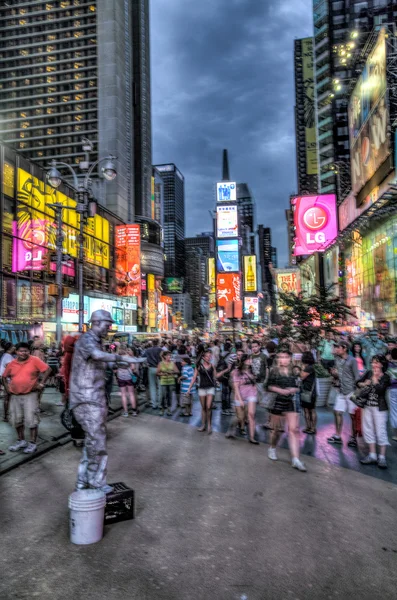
87, 399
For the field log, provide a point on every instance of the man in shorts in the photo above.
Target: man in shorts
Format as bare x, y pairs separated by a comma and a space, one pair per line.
347, 372
24, 379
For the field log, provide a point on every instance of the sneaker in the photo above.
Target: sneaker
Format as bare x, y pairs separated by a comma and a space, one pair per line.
368, 460
394, 438
382, 464
169, 413
18, 446
272, 454
30, 448
134, 413
125, 414
161, 412
334, 439
298, 464
352, 442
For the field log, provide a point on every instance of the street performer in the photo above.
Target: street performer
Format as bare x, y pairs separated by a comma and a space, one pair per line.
87, 399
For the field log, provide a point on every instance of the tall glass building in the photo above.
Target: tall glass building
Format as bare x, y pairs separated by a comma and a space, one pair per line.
68, 72
174, 219
340, 28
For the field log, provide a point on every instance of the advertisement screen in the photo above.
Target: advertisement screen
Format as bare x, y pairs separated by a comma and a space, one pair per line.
227, 221
228, 288
250, 282
128, 260
287, 281
251, 308
369, 118
173, 285
226, 191
227, 256
315, 223
309, 111
211, 275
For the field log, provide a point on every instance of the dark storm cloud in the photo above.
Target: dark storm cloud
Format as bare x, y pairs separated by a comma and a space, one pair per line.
222, 77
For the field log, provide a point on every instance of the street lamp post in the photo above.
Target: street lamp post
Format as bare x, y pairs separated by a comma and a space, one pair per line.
57, 207
86, 207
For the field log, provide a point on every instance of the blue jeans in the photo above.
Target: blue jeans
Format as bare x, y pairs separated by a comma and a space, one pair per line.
154, 387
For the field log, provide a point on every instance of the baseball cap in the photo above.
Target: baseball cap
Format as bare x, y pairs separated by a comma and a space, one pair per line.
342, 344
101, 315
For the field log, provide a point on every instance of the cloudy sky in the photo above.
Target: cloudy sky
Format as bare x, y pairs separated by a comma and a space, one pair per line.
222, 77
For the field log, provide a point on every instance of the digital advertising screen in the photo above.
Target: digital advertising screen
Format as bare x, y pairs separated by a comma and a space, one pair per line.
228, 288
315, 223
227, 256
227, 221
251, 308
226, 191
128, 260
250, 283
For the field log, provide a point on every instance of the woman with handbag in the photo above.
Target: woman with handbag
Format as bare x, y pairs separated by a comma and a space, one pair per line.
245, 397
308, 393
127, 379
207, 376
282, 383
372, 397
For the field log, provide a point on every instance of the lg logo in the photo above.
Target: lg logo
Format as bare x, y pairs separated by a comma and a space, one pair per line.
315, 219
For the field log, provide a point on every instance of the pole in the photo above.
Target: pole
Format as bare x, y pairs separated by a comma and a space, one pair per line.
81, 272
58, 275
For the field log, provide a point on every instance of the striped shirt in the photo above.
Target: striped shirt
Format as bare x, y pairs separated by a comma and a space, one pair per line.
187, 373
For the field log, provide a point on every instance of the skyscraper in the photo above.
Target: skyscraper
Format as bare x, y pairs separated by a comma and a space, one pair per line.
68, 72
174, 219
340, 28
266, 253
305, 119
246, 212
197, 251
142, 106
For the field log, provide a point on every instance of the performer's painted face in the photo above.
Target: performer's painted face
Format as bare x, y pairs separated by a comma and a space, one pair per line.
102, 328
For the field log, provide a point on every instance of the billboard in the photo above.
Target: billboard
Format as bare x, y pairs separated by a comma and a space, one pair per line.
227, 221
30, 241
128, 260
315, 223
227, 256
226, 191
250, 281
251, 308
173, 285
151, 305
211, 275
287, 281
369, 118
309, 111
228, 288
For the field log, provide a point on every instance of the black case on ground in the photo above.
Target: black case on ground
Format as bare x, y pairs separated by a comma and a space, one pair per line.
120, 504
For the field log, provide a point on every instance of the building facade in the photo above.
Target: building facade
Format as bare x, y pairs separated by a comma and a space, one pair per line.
182, 308
341, 29
305, 117
198, 249
247, 217
174, 219
68, 73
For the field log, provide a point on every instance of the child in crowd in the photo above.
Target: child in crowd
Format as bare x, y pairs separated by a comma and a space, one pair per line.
185, 380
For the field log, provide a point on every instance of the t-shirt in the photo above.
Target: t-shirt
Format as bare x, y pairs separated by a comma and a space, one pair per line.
23, 376
246, 384
187, 374
167, 367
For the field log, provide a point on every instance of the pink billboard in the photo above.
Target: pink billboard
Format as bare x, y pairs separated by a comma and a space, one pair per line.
315, 223
28, 249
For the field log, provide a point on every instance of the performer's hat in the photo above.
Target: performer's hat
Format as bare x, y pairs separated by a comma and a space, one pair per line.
101, 315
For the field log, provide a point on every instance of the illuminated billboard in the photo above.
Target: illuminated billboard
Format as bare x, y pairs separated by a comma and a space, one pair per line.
287, 281
227, 221
250, 282
251, 308
315, 223
309, 110
173, 285
226, 191
228, 288
227, 256
128, 260
369, 118
211, 275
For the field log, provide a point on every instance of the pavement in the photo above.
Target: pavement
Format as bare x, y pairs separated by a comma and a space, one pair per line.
215, 519
53, 434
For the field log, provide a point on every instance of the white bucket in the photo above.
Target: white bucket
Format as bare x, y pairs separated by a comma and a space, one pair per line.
87, 512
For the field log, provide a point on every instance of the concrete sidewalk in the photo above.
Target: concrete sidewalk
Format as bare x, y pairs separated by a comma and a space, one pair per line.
215, 520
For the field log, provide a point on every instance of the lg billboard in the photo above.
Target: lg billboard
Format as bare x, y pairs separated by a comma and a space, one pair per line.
315, 223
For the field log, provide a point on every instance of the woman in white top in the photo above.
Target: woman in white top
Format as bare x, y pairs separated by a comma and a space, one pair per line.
8, 356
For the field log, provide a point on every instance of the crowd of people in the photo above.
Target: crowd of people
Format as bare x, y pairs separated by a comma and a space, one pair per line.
276, 375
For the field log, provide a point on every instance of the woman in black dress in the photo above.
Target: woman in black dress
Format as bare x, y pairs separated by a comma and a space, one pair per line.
282, 383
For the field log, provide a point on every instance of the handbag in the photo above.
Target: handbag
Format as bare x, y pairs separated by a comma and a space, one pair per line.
269, 398
307, 396
134, 378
